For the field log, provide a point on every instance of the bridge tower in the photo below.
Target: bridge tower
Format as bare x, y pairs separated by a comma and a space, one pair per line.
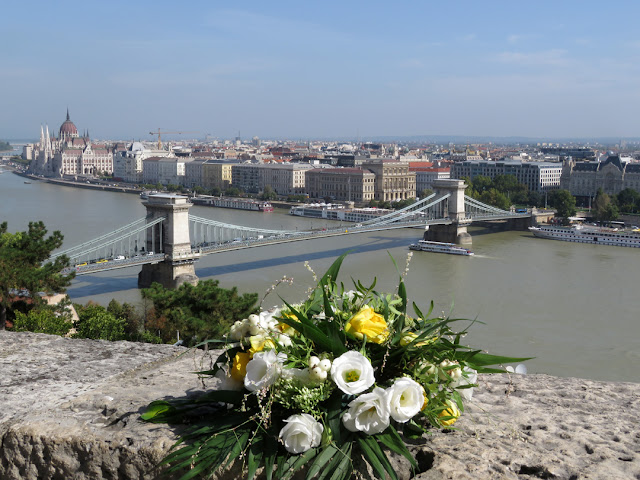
173, 238
456, 232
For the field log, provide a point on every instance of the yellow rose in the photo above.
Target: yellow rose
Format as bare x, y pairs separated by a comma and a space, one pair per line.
452, 411
239, 369
259, 343
369, 323
409, 337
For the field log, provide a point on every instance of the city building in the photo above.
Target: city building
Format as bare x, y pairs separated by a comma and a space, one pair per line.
128, 163
216, 174
583, 179
342, 184
394, 181
537, 176
193, 172
284, 179
70, 154
164, 170
246, 177
426, 173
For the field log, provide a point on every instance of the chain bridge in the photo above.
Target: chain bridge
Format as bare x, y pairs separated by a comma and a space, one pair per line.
168, 241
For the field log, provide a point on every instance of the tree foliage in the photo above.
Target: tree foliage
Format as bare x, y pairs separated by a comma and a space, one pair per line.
24, 266
629, 200
198, 312
95, 322
268, 194
43, 320
563, 202
604, 209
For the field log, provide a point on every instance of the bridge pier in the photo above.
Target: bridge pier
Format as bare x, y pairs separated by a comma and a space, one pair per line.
456, 231
173, 238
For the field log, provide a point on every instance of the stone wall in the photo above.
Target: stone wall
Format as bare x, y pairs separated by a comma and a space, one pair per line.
70, 410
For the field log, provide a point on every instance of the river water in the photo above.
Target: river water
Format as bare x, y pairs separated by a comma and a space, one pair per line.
573, 307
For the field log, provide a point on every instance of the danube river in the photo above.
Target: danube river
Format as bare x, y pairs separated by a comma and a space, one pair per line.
574, 307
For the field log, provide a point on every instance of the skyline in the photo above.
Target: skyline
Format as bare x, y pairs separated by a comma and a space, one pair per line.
322, 71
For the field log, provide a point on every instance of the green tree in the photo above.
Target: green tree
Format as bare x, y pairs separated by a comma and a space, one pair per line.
268, 193
495, 198
604, 210
95, 322
563, 202
200, 312
629, 200
481, 184
425, 193
44, 320
23, 265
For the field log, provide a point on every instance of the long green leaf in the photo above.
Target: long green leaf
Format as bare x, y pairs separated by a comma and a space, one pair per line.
382, 457
270, 450
254, 458
343, 466
297, 462
321, 460
370, 456
483, 359
391, 439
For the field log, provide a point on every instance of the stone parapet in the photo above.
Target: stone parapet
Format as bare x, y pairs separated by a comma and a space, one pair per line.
70, 410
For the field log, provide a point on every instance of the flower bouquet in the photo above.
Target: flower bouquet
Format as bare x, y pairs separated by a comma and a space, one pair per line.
312, 387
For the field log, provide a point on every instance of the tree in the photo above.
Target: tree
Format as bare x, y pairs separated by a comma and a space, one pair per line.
24, 266
495, 198
629, 200
268, 193
563, 202
425, 193
604, 210
200, 312
95, 322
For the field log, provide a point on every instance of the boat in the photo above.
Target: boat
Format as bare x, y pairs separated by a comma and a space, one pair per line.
328, 211
440, 247
27, 182
588, 234
236, 203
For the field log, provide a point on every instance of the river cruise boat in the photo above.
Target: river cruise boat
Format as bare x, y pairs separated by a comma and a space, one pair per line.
236, 203
329, 211
588, 234
440, 247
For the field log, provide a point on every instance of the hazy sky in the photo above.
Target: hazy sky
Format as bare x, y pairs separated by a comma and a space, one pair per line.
321, 69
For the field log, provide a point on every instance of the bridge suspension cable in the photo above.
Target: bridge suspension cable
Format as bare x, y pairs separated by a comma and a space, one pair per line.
99, 239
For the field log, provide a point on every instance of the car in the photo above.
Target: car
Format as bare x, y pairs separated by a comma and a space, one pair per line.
119, 257
102, 261
83, 264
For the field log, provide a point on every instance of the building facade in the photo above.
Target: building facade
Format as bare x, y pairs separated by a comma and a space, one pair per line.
284, 179
216, 174
537, 176
394, 181
583, 179
342, 184
70, 154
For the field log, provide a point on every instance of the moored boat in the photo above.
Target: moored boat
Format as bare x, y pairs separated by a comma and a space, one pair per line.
440, 247
588, 234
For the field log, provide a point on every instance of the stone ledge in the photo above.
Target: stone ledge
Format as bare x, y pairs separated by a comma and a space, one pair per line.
71, 411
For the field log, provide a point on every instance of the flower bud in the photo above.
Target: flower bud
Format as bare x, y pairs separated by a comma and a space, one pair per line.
313, 362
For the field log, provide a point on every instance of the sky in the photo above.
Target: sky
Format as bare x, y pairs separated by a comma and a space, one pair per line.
331, 69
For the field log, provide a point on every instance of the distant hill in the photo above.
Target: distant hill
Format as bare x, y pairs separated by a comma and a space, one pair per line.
4, 146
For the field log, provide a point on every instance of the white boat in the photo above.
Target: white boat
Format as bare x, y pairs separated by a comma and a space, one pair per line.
440, 247
587, 234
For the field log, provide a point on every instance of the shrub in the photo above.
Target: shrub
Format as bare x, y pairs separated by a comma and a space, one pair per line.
42, 321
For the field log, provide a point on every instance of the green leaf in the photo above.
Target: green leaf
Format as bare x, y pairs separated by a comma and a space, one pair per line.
270, 450
296, 462
334, 410
382, 457
392, 440
370, 456
482, 359
321, 460
332, 273
343, 468
254, 458
156, 409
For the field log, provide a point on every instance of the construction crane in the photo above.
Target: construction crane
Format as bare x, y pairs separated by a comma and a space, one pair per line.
162, 132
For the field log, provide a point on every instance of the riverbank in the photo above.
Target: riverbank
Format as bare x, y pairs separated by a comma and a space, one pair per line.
87, 425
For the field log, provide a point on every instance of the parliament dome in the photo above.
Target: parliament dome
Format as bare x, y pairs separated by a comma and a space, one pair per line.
68, 129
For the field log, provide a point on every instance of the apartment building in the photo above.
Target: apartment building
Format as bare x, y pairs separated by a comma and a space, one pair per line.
537, 176
342, 184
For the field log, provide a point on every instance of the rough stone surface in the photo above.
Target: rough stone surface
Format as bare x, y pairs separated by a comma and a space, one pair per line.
70, 410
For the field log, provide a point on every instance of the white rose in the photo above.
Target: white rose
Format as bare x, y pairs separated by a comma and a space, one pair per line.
301, 433
369, 413
406, 398
352, 373
262, 370
469, 376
